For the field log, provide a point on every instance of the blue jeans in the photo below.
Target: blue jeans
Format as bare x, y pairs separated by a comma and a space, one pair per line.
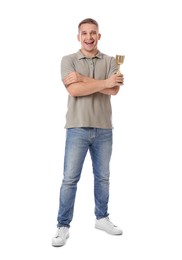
78, 141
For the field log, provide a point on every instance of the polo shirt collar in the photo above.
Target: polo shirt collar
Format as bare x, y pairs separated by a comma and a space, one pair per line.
81, 56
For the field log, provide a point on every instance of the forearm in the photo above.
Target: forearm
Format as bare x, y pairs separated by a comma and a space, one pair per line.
86, 88
110, 91
80, 85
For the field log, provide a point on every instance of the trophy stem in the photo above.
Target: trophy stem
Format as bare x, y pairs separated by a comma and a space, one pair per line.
119, 72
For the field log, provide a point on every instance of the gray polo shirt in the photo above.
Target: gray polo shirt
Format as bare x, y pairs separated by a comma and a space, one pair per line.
92, 110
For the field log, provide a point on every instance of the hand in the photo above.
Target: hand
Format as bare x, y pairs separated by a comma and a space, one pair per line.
72, 77
115, 81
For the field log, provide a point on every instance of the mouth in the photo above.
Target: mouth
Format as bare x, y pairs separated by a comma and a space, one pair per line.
89, 43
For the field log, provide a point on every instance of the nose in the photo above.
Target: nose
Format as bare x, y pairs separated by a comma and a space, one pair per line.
89, 36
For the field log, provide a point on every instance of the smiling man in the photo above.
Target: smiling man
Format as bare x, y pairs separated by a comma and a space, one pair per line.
90, 78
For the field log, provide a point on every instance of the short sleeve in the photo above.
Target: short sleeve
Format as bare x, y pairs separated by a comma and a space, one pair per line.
67, 66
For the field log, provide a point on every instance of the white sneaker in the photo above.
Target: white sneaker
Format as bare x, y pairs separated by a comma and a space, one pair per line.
106, 225
61, 236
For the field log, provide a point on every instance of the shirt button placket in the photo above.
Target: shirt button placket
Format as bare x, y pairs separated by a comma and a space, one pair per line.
92, 67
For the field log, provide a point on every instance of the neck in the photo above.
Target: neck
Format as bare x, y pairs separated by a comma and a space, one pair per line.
89, 54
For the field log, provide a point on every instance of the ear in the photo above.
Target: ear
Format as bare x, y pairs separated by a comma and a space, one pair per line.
99, 36
78, 37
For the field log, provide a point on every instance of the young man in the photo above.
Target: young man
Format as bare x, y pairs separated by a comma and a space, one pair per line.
90, 77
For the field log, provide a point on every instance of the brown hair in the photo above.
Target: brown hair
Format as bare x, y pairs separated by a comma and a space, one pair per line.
88, 20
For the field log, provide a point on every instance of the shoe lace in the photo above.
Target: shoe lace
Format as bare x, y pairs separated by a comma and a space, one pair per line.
61, 232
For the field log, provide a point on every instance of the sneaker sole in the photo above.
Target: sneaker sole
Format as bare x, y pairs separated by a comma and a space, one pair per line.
108, 232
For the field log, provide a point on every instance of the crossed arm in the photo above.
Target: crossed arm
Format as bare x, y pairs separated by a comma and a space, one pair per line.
79, 85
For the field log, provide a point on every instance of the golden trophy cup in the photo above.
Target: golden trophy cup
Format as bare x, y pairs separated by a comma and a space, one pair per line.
119, 61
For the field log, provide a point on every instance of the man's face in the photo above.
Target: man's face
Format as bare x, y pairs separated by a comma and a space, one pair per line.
89, 36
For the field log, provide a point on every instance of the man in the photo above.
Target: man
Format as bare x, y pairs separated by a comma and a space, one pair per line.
90, 78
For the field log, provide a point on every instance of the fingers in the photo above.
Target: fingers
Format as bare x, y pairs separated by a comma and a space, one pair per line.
70, 78
120, 79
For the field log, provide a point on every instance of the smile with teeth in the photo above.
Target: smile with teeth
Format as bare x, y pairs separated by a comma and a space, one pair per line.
89, 43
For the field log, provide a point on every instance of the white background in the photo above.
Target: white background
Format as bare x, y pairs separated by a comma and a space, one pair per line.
146, 192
